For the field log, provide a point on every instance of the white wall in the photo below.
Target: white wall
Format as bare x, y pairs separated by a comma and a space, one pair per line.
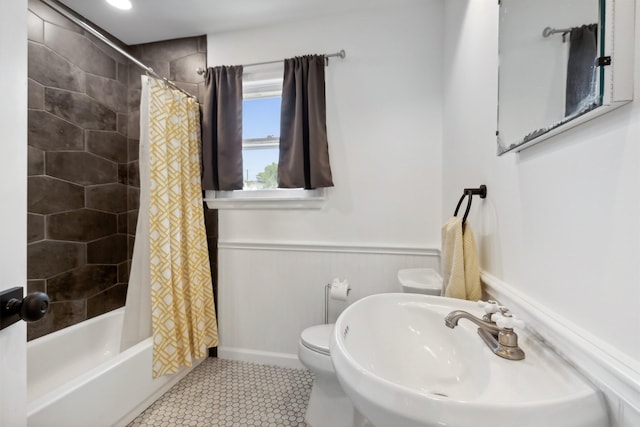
560, 223
384, 120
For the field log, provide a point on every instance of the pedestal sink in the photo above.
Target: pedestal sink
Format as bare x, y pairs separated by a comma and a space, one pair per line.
401, 366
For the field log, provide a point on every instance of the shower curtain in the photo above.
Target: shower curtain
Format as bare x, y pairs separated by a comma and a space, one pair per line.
170, 289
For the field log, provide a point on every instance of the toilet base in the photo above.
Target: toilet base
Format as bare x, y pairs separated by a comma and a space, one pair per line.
327, 394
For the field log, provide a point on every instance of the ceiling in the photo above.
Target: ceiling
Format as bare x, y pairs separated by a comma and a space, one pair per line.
155, 20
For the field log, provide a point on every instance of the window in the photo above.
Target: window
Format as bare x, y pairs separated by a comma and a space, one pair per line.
261, 133
260, 154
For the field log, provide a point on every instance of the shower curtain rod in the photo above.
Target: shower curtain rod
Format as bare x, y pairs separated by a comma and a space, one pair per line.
64, 11
340, 55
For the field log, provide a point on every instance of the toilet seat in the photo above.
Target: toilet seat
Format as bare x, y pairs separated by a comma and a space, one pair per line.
316, 338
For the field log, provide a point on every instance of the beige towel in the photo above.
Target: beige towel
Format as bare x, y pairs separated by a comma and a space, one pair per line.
460, 269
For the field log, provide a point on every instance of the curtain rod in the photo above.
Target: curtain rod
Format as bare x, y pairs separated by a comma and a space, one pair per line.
64, 11
340, 55
548, 31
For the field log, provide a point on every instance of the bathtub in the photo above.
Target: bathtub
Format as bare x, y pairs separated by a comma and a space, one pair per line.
77, 377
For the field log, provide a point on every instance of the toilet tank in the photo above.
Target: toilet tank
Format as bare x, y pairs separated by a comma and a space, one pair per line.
420, 281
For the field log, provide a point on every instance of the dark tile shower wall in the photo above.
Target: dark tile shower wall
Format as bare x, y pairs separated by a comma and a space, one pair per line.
77, 192
83, 190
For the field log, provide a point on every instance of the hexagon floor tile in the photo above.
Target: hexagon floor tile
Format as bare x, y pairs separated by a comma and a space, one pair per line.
225, 393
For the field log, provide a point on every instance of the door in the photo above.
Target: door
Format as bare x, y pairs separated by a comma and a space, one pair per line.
13, 204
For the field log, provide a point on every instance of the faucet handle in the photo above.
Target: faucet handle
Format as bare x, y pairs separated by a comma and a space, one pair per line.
504, 310
490, 306
507, 321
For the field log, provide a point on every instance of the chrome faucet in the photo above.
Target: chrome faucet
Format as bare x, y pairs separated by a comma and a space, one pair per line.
498, 334
454, 317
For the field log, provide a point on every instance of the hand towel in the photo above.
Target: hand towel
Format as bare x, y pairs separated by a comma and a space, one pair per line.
460, 268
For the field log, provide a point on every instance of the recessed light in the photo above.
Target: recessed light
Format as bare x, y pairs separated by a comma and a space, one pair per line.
120, 4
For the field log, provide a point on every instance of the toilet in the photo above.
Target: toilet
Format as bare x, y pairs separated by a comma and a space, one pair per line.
329, 406
420, 281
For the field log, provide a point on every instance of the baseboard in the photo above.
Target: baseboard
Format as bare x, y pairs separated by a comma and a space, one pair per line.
124, 421
284, 360
612, 371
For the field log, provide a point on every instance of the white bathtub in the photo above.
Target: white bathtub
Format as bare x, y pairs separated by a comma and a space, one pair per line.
76, 377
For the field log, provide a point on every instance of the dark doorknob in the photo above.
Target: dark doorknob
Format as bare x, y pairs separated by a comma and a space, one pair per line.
33, 307
30, 308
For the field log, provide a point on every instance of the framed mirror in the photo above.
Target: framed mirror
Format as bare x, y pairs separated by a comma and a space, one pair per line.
562, 63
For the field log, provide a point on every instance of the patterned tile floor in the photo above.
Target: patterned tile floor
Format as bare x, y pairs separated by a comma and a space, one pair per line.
224, 393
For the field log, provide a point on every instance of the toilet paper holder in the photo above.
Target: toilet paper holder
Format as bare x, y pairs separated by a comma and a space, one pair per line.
327, 293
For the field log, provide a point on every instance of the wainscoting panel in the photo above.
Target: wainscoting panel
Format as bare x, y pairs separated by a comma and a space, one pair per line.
268, 293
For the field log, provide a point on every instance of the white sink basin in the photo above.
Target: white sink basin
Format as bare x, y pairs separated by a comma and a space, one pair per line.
401, 366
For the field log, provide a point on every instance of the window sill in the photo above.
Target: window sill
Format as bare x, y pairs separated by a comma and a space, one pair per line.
285, 199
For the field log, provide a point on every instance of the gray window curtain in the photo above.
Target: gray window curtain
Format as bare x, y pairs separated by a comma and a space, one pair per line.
304, 152
581, 69
222, 129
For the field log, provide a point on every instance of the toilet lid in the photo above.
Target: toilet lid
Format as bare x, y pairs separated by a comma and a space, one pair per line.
316, 338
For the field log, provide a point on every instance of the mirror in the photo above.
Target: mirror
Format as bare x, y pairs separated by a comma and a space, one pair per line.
560, 65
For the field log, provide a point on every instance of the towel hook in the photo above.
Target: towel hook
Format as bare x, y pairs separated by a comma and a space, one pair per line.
470, 192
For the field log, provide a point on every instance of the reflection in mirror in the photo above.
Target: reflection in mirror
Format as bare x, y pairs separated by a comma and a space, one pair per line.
549, 72
581, 94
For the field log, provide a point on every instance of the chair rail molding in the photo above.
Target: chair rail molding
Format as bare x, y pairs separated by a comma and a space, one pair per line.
302, 246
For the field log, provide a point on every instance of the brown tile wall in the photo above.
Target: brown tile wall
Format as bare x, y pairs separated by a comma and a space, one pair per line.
83, 184
77, 192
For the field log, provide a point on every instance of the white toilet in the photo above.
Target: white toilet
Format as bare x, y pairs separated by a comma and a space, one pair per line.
329, 406
420, 281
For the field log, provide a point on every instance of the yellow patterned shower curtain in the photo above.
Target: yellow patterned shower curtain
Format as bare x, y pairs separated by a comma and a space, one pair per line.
183, 317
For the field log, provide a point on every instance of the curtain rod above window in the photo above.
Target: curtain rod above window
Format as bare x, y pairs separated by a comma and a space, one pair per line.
342, 54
